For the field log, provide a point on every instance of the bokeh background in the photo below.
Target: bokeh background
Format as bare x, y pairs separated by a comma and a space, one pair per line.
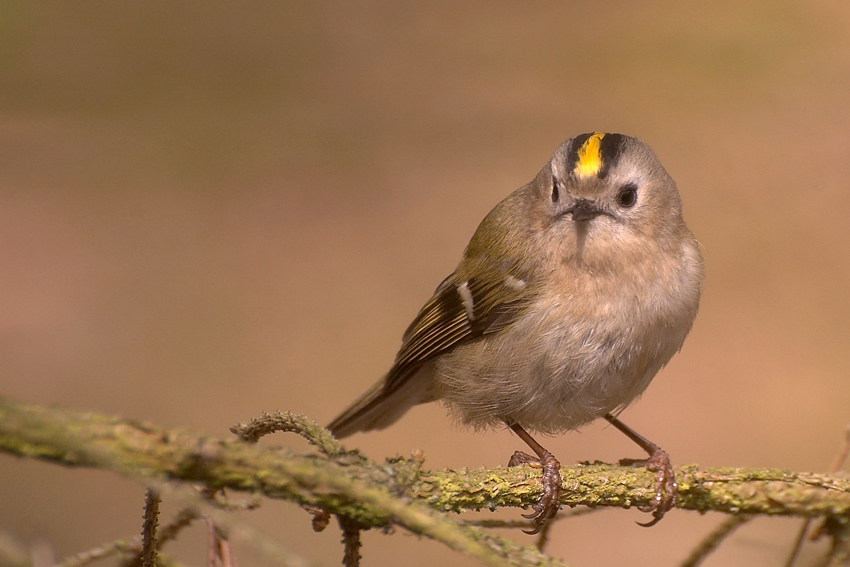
212, 210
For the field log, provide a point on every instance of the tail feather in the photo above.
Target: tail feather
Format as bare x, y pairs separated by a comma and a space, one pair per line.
377, 409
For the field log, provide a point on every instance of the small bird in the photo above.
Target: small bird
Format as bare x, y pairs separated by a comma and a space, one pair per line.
571, 295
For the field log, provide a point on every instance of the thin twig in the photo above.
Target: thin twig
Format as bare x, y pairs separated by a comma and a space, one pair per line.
351, 541
837, 463
839, 530
223, 550
151, 520
184, 517
219, 553
212, 545
315, 434
121, 546
714, 539
525, 524
543, 535
798, 543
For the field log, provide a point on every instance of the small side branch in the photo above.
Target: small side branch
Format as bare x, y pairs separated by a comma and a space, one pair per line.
151, 521
351, 542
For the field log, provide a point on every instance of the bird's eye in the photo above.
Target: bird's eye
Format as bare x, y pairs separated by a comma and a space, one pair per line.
627, 196
554, 190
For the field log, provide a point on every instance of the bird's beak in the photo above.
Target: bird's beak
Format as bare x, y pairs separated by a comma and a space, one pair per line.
583, 210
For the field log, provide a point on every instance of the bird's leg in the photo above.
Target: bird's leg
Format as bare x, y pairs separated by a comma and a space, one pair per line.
547, 507
659, 463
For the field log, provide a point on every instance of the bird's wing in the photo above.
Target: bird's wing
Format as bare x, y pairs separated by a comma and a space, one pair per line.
460, 311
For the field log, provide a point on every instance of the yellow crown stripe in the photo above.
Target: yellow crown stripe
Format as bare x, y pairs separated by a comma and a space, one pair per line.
589, 157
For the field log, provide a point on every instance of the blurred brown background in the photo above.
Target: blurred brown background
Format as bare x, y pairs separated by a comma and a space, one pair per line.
208, 211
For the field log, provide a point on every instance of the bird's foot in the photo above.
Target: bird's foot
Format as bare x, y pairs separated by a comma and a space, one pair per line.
549, 502
666, 488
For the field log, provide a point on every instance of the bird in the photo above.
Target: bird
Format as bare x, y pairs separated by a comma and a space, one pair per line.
573, 292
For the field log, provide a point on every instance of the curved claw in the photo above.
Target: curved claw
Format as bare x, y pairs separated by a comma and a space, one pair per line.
543, 512
535, 531
655, 519
666, 488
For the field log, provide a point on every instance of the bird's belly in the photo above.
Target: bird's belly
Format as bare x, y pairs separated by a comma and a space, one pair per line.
553, 371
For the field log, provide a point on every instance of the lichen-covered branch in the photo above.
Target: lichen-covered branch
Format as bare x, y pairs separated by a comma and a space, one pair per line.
399, 491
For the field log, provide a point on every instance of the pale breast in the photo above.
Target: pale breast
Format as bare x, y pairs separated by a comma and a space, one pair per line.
566, 361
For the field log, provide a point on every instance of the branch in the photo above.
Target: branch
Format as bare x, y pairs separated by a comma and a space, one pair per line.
398, 491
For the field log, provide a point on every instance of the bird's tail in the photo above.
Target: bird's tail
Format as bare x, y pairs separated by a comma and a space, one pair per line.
378, 408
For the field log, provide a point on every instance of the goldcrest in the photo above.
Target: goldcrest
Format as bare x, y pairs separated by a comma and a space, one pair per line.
572, 294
